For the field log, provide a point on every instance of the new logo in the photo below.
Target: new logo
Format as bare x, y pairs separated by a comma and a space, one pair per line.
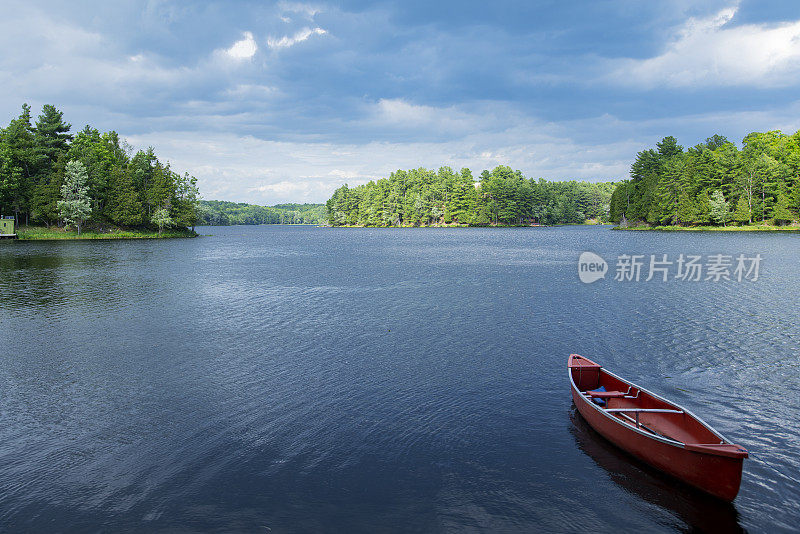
591, 267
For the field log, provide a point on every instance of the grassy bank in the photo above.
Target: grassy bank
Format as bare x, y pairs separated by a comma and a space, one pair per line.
42, 233
746, 228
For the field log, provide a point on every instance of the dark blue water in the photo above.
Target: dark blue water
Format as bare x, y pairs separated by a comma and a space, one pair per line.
296, 379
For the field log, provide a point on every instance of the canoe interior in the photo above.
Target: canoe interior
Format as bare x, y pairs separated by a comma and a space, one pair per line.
682, 427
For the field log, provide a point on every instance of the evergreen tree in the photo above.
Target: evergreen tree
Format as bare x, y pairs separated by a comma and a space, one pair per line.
669, 147
51, 136
10, 181
161, 186
142, 166
124, 207
688, 212
716, 141
703, 207
75, 206
90, 148
186, 196
19, 140
46, 194
619, 202
742, 213
720, 212
781, 214
665, 208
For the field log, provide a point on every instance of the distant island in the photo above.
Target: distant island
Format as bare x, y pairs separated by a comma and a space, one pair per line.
713, 185
222, 213
90, 185
501, 197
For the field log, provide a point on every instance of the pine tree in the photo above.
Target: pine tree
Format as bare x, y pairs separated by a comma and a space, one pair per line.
76, 205
161, 186
667, 193
464, 195
47, 193
781, 212
742, 213
10, 180
51, 135
669, 147
142, 166
124, 207
719, 208
89, 148
703, 208
18, 138
184, 207
688, 209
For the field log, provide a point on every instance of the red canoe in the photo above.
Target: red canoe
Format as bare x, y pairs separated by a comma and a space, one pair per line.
663, 434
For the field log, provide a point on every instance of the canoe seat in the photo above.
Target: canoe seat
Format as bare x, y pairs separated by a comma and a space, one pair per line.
599, 395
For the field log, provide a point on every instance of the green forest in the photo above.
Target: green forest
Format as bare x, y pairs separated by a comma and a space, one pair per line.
713, 184
422, 197
50, 177
221, 213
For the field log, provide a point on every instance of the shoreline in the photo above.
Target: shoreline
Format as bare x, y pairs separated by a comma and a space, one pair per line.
37, 233
765, 228
469, 225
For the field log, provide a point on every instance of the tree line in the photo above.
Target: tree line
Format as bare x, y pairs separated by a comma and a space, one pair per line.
49, 176
221, 213
423, 197
713, 183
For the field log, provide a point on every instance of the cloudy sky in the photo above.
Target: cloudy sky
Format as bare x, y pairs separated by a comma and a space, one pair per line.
270, 102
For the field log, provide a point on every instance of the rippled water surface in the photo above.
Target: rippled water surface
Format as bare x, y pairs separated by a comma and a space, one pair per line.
296, 379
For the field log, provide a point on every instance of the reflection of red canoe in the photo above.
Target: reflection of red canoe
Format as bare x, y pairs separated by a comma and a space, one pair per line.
661, 433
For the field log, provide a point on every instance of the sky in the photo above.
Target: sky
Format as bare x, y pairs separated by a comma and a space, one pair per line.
270, 102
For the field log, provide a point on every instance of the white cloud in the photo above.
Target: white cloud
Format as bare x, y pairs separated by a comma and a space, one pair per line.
287, 189
302, 35
712, 52
243, 49
297, 7
400, 111
429, 121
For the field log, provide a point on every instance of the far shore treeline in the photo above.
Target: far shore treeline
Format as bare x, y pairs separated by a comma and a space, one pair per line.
222, 213
713, 183
422, 197
50, 177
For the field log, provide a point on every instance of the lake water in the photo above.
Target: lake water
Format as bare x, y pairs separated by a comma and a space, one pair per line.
300, 379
